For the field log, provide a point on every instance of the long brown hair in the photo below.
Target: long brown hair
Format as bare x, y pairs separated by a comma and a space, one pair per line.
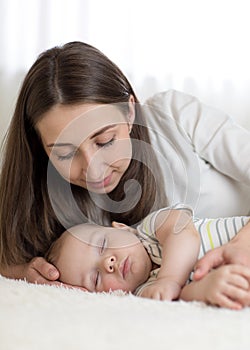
71, 74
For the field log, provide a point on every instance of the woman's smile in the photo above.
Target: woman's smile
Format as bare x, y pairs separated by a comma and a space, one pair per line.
99, 184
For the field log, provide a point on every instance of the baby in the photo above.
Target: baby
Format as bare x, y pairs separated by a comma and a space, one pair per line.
154, 260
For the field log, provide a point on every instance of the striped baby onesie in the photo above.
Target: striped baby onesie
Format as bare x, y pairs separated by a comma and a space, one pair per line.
213, 233
216, 232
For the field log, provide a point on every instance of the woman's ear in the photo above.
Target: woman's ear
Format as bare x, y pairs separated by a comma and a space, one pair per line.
131, 116
121, 226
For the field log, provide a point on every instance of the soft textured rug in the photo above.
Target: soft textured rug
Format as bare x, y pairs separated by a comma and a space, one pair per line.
34, 317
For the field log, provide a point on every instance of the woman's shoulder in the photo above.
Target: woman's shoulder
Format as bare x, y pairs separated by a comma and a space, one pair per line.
171, 106
168, 98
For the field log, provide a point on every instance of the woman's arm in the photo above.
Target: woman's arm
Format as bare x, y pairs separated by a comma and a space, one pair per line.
237, 251
214, 135
180, 247
228, 286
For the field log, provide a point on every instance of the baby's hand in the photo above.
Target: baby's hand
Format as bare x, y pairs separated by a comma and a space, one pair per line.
162, 289
227, 286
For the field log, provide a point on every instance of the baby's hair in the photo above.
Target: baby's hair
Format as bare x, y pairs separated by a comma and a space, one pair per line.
53, 252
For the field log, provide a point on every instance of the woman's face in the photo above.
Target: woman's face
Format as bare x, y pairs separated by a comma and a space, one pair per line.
88, 144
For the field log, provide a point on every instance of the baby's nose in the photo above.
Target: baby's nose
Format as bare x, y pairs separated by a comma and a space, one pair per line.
109, 263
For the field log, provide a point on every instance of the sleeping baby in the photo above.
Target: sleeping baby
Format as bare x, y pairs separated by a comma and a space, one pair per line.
155, 260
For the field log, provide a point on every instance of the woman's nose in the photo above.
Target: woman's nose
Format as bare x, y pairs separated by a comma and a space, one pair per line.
109, 263
91, 166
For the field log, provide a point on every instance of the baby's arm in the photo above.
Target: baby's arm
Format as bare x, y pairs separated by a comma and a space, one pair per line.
226, 286
180, 243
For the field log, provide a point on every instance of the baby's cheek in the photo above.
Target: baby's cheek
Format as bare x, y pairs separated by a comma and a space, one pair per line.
112, 283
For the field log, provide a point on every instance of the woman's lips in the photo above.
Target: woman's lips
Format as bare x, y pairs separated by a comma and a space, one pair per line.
100, 184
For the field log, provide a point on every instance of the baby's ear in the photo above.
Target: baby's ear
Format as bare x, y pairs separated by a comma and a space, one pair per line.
121, 226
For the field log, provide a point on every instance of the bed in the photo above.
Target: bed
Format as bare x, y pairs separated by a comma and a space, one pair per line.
34, 317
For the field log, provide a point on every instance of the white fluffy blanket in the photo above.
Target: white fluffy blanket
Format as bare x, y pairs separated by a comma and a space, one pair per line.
34, 317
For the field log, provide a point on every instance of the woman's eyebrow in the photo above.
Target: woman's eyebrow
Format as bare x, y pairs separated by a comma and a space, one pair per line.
103, 130
65, 144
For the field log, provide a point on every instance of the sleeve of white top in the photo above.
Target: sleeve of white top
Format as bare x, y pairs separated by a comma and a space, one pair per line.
215, 137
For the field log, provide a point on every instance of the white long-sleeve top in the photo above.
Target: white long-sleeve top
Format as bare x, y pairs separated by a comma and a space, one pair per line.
204, 155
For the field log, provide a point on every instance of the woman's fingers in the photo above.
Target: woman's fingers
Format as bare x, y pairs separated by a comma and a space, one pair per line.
212, 259
40, 271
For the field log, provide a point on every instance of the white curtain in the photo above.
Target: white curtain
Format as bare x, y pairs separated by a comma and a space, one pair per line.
196, 46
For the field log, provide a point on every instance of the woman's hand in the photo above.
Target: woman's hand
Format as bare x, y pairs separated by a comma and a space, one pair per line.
237, 251
38, 270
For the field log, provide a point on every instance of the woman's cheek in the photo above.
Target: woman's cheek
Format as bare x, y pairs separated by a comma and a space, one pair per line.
120, 151
69, 170
75, 171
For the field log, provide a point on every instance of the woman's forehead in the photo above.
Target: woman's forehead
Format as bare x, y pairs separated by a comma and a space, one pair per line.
64, 123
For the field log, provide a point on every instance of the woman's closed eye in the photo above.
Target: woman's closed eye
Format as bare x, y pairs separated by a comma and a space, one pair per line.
106, 144
66, 156
65, 153
71, 154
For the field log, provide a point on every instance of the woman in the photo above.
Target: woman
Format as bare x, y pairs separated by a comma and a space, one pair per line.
78, 149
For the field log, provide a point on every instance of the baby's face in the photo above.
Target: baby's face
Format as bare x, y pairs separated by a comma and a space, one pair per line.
103, 258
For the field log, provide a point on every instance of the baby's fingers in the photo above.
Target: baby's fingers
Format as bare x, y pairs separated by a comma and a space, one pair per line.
225, 301
239, 281
236, 296
244, 273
